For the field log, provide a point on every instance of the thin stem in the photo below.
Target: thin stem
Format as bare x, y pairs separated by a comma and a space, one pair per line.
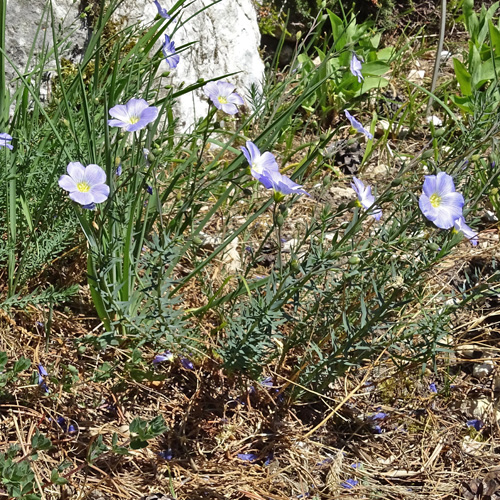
437, 60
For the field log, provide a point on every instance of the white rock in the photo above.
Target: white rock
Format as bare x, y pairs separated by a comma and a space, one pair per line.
445, 55
226, 34
473, 447
437, 122
483, 370
416, 75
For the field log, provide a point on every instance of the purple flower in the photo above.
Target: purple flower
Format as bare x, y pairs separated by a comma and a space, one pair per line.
365, 198
188, 365
90, 206
223, 96
166, 454
356, 125
160, 358
476, 423
378, 416
356, 67
85, 185
432, 387
119, 170
281, 183
376, 429
260, 163
168, 49
42, 372
267, 382
248, 457
149, 189
5, 140
349, 484
459, 226
439, 202
134, 115
161, 10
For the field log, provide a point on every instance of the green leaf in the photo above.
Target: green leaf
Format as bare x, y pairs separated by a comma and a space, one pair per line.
55, 478
463, 76
40, 443
21, 364
375, 68
372, 82
3, 359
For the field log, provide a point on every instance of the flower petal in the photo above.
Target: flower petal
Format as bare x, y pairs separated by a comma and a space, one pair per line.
268, 162
211, 90
81, 198
429, 187
229, 108
94, 175
135, 107
225, 88
67, 183
100, 193
444, 184
235, 99
76, 170
121, 113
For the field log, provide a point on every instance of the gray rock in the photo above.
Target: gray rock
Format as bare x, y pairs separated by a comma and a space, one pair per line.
226, 33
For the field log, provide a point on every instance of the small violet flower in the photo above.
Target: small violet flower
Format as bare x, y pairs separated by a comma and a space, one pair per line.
161, 10
433, 388
168, 49
188, 365
356, 67
378, 416
356, 125
439, 202
248, 457
42, 372
349, 484
86, 185
119, 170
134, 115
476, 423
459, 226
160, 358
264, 168
366, 198
223, 96
5, 141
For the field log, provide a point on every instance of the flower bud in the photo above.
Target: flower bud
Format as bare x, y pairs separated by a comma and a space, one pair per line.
354, 260
197, 240
280, 220
434, 247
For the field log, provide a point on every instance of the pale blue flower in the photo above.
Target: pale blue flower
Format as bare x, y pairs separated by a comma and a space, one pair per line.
349, 484
366, 198
223, 96
460, 226
134, 115
161, 10
281, 183
160, 358
356, 125
187, 364
439, 202
168, 49
356, 67
259, 163
5, 140
86, 185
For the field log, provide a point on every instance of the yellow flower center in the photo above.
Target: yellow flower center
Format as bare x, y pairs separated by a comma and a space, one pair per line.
435, 200
83, 187
134, 119
222, 99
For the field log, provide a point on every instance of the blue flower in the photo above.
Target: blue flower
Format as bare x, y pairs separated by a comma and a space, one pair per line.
264, 168
356, 125
134, 115
476, 423
356, 67
349, 484
459, 226
248, 457
119, 170
5, 140
86, 185
432, 388
188, 365
160, 358
378, 416
42, 373
168, 49
223, 96
439, 202
166, 454
161, 10
366, 198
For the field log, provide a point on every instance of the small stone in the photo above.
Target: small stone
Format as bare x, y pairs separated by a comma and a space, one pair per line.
437, 122
470, 351
416, 75
483, 370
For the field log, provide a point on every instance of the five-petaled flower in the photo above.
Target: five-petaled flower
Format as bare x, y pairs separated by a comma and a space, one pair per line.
223, 96
265, 169
134, 115
86, 185
439, 202
356, 67
5, 141
356, 125
161, 10
460, 226
366, 198
168, 49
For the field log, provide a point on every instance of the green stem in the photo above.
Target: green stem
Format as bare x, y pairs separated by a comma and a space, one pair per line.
3, 84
